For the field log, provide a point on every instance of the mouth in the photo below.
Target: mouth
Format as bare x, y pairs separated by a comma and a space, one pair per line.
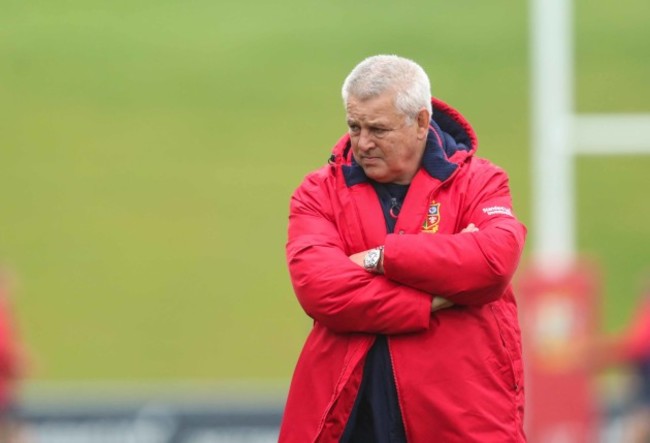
368, 162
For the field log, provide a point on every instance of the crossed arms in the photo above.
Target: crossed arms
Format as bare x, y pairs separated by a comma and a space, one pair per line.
421, 272
438, 302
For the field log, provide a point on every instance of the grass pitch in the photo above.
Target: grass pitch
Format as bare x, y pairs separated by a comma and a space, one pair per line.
149, 150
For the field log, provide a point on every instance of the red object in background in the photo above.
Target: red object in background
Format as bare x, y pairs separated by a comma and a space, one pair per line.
11, 353
559, 315
635, 344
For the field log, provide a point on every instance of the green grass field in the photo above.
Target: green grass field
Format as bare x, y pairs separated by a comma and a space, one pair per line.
149, 149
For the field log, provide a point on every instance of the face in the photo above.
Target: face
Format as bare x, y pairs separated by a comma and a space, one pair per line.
384, 143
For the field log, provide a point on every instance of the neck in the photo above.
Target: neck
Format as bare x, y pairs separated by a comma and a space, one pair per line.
409, 175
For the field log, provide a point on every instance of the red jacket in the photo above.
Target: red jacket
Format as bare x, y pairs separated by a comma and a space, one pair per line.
458, 371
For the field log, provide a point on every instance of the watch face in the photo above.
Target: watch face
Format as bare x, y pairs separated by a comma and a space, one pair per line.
371, 259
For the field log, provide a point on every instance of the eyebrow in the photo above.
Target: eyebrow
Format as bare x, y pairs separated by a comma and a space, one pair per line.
369, 124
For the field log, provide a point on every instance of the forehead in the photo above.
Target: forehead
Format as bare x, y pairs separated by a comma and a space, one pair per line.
380, 108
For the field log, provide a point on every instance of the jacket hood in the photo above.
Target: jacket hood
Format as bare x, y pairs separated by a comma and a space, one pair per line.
450, 141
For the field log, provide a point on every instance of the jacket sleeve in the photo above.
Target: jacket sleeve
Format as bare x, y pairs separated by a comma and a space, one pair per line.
466, 268
332, 289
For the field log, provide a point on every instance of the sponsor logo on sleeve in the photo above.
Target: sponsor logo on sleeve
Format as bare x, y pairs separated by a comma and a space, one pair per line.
497, 210
432, 220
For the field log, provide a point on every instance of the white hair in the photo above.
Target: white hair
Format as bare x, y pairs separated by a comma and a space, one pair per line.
381, 73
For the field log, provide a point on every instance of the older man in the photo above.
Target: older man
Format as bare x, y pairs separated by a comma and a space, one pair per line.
402, 250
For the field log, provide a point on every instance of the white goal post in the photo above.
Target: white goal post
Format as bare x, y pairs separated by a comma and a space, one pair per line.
559, 134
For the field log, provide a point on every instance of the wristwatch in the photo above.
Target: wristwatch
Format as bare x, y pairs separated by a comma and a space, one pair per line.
372, 258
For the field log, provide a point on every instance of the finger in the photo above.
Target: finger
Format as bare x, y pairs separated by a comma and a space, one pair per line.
470, 228
440, 303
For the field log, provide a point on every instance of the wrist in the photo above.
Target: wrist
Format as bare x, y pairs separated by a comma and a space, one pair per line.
380, 263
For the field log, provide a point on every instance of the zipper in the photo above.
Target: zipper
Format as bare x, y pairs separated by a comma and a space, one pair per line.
394, 208
397, 388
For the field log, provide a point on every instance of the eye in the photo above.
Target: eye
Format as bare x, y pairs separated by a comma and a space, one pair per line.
379, 132
354, 129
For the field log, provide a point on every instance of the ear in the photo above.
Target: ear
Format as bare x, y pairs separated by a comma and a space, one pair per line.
423, 119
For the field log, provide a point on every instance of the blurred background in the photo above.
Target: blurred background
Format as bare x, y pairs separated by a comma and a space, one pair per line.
149, 150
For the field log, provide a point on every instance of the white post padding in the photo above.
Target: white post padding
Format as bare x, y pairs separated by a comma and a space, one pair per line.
605, 134
552, 110
559, 135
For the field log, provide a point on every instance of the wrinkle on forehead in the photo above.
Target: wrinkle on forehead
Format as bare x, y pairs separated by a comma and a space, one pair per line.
373, 111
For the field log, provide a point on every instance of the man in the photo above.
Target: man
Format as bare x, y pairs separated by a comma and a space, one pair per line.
628, 349
402, 250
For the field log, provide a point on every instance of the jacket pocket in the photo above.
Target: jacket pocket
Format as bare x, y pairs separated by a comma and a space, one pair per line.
508, 347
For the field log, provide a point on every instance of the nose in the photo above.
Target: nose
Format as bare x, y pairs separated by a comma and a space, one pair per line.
366, 141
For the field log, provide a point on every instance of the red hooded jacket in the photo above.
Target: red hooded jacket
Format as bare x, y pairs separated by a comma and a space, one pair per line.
458, 371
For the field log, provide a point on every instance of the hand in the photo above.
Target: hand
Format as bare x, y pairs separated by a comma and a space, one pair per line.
439, 303
469, 228
358, 258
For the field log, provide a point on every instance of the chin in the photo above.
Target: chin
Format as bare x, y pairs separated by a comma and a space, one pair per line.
374, 174
380, 179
